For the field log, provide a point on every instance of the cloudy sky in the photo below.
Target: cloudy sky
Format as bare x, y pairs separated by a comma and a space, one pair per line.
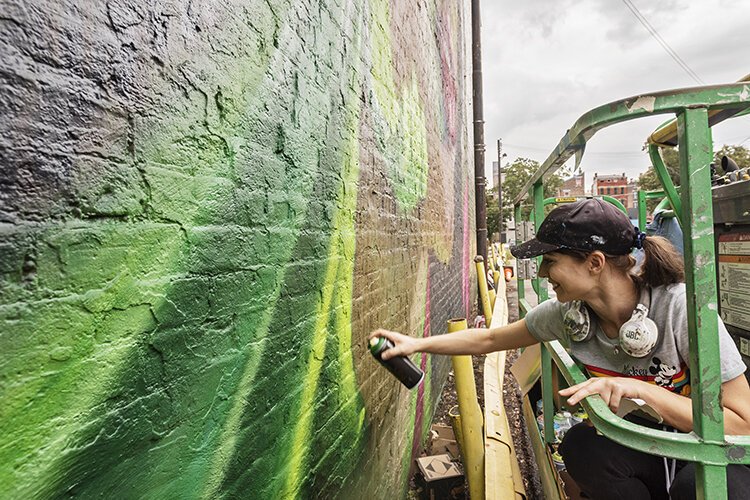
546, 62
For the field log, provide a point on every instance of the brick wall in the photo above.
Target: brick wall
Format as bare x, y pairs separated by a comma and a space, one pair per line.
205, 206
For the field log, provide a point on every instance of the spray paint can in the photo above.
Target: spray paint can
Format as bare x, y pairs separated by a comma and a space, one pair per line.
400, 366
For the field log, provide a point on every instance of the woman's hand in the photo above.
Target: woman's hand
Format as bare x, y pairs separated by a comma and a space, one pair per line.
403, 345
611, 390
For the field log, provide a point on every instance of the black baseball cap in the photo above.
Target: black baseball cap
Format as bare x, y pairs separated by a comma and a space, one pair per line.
588, 225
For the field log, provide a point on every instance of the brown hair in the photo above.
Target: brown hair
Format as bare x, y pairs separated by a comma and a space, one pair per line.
662, 264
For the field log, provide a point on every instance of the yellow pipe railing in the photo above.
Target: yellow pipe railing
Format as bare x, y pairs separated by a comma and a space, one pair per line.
483, 291
502, 473
472, 445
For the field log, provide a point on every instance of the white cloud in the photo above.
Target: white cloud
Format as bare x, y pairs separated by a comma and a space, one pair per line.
547, 62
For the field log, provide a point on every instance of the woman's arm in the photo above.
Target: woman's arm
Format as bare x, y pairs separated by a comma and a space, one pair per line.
676, 410
470, 341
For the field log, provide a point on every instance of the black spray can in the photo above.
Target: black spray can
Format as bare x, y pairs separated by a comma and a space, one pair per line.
402, 367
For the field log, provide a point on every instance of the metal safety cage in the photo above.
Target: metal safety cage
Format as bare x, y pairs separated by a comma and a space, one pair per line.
696, 109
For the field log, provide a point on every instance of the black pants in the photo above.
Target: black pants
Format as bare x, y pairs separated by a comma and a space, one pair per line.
604, 469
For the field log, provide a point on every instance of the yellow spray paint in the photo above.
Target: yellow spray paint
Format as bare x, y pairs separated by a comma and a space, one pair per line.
336, 299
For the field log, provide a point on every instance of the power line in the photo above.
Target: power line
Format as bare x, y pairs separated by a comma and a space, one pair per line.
652, 31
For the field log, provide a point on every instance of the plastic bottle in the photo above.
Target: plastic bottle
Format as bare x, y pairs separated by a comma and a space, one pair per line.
562, 424
400, 366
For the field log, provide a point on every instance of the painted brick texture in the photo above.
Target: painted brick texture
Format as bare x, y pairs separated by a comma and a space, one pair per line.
205, 206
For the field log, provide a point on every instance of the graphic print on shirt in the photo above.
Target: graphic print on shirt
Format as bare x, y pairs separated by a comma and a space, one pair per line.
663, 373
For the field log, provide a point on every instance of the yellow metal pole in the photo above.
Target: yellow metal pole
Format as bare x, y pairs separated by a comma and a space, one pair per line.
483, 292
471, 417
455, 417
492, 295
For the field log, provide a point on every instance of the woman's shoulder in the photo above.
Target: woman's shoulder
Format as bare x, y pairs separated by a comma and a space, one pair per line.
673, 291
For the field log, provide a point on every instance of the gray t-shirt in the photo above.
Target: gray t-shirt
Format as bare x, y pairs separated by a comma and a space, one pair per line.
666, 366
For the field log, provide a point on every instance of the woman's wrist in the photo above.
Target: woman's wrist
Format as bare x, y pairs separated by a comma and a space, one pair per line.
643, 390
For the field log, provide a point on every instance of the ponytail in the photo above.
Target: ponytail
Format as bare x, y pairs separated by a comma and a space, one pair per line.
662, 264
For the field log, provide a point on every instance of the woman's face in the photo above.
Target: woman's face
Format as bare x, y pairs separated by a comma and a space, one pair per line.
569, 276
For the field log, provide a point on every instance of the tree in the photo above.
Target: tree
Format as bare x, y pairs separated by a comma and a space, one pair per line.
493, 211
648, 180
515, 177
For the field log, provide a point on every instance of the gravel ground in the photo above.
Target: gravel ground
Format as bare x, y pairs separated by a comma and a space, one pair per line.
512, 399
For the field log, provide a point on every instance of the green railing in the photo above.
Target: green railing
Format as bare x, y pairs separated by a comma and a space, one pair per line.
706, 445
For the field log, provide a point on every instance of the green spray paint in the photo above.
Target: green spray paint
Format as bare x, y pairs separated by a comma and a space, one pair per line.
140, 340
401, 122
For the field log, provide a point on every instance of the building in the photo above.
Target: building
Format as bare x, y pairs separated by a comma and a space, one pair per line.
573, 186
632, 192
615, 185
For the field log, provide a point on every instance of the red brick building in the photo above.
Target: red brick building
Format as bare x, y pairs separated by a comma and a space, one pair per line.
616, 186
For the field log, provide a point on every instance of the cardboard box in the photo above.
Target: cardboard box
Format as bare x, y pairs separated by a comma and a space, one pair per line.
443, 478
443, 441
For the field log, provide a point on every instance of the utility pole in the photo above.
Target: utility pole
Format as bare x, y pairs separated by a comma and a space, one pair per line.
500, 187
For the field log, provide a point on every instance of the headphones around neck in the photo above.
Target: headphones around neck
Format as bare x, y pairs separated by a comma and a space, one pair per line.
637, 336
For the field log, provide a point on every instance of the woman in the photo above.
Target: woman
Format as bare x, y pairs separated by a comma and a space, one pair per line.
629, 330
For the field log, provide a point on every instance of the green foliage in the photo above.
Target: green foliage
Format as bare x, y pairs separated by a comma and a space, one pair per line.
516, 176
493, 211
649, 181
740, 154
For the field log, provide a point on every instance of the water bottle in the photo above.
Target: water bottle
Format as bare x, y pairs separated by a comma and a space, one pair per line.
562, 424
400, 366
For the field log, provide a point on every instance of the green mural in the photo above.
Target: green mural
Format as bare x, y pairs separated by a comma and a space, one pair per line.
180, 309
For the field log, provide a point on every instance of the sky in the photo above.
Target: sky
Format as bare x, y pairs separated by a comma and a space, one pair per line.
546, 62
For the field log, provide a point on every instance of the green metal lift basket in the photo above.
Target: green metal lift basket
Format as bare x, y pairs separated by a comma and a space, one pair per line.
696, 109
